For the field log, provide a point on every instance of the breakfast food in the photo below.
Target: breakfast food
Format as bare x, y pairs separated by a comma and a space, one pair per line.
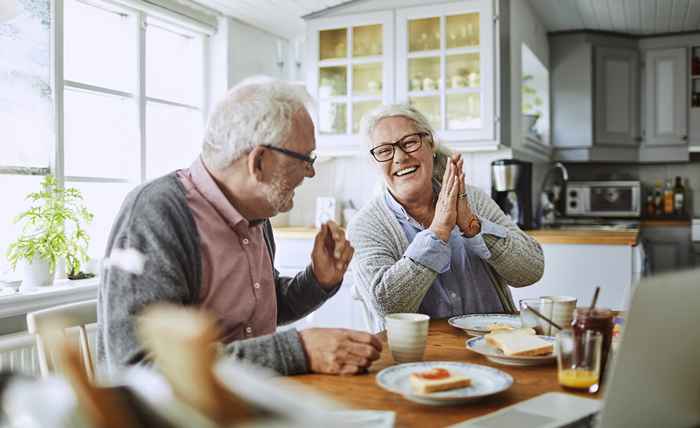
520, 342
523, 330
498, 327
437, 379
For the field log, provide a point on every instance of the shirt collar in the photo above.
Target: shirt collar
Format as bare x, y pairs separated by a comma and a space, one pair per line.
395, 206
205, 184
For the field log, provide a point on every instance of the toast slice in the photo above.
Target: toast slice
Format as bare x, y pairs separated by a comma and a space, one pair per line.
519, 343
499, 327
437, 379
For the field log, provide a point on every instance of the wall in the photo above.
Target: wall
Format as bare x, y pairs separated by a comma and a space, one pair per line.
648, 174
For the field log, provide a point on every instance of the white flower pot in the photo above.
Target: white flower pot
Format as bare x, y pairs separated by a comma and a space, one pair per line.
36, 273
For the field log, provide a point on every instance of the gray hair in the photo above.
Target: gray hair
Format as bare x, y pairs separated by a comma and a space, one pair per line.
372, 118
258, 110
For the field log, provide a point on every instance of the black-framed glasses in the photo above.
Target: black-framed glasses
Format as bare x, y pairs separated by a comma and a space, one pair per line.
308, 159
408, 144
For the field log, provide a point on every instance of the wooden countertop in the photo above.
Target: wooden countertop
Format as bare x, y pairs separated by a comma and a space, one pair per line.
445, 343
548, 236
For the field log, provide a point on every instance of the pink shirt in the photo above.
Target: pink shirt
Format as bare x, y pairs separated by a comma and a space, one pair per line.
237, 280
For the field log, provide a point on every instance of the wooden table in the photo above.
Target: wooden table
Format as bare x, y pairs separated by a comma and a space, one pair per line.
445, 343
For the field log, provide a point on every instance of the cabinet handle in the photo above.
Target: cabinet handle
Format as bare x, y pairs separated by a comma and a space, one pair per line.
684, 138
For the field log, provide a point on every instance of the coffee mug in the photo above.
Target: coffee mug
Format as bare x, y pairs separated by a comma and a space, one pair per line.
562, 310
407, 334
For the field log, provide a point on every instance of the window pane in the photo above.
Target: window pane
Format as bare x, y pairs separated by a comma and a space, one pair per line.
367, 79
103, 200
333, 44
332, 81
367, 40
423, 34
424, 74
332, 118
463, 71
26, 116
99, 47
173, 65
173, 138
430, 107
463, 111
101, 136
14, 191
462, 30
359, 109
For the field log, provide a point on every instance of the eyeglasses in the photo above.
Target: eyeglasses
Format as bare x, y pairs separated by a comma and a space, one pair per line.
308, 159
408, 144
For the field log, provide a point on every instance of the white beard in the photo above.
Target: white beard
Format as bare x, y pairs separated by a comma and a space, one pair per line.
279, 194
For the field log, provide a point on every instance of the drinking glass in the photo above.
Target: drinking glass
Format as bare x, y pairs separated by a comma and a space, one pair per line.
407, 334
578, 360
528, 318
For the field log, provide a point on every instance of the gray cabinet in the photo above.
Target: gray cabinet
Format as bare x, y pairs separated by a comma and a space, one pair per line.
616, 96
666, 97
595, 100
668, 248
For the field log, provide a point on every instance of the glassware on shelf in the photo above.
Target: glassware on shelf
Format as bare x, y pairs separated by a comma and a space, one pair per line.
463, 111
359, 109
427, 70
462, 30
367, 79
332, 44
367, 40
430, 107
423, 34
462, 70
332, 118
334, 78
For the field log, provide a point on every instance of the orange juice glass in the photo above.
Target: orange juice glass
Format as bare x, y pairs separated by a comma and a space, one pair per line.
578, 360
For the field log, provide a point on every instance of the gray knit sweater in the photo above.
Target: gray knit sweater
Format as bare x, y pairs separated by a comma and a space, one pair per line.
156, 221
388, 282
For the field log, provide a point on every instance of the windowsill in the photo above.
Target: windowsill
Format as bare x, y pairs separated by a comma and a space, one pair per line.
62, 292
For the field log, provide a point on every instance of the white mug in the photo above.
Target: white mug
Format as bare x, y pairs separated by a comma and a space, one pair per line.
407, 334
562, 310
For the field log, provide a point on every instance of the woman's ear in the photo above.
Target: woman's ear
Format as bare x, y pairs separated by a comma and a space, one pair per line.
255, 158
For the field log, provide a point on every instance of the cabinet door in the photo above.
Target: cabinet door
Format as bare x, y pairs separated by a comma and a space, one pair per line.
667, 102
350, 72
616, 89
445, 67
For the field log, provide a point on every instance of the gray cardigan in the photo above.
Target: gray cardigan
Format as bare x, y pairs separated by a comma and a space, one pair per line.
156, 221
388, 282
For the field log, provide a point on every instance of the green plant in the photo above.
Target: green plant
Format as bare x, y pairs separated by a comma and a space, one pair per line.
53, 228
531, 101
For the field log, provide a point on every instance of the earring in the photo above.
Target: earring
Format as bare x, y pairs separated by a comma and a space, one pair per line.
434, 155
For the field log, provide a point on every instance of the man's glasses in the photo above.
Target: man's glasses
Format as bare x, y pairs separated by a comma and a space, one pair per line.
408, 144
309, 159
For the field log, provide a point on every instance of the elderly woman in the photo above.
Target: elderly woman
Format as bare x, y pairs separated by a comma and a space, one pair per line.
429, 242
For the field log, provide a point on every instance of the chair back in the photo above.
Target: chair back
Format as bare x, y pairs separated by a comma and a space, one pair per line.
76, 315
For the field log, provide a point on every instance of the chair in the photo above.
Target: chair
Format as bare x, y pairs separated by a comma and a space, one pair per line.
74, 315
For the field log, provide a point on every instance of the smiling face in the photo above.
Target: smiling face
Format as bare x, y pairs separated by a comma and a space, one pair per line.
408, 175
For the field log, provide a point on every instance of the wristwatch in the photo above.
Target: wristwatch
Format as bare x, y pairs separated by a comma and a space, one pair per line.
473, 227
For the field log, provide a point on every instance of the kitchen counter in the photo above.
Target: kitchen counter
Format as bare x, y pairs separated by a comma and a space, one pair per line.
581, 236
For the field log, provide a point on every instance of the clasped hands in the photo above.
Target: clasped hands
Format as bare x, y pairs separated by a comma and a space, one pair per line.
452, 206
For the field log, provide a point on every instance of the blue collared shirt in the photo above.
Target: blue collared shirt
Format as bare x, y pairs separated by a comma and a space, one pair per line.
463, 286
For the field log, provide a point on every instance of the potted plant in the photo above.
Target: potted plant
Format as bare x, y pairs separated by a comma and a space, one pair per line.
531, 103
53, 229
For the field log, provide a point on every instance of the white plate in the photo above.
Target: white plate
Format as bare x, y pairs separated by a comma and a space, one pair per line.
486, 381
477, 324
480, 346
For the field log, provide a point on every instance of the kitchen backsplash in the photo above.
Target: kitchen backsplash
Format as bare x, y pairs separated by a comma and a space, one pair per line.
648, 174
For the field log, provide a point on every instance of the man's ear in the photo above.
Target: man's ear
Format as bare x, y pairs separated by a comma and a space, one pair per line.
255, 158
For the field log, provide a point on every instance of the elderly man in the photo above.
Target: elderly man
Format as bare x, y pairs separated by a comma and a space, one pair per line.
201, 237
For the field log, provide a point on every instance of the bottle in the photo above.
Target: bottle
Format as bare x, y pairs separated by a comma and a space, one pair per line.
658, 201
650, 207
668, 198
679, 197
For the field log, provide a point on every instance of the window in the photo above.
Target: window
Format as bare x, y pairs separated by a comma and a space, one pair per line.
132, 108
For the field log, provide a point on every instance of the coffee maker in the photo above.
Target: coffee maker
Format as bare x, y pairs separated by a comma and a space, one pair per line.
511, 188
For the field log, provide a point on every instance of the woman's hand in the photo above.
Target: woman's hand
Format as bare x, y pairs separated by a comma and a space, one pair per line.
466, 220
445, 216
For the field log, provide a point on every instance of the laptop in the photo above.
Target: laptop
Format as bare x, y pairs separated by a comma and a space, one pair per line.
655, 377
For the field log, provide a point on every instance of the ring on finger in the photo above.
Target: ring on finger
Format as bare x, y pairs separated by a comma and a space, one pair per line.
462, 195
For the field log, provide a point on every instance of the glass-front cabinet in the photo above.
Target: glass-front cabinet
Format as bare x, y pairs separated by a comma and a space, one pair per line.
445, 68
351, 73
442, 62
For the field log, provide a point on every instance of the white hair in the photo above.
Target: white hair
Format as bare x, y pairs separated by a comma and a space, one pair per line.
259, 110
372, 118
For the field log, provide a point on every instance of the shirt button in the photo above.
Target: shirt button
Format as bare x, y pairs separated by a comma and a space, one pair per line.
256, 285
245, 241
249, 330
454, 295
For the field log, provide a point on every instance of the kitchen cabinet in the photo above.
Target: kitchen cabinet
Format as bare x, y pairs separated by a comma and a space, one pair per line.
594, 97
668, 248
439, 58
666, 97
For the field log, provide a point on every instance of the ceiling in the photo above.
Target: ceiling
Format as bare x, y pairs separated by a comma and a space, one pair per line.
281, 17
625, 16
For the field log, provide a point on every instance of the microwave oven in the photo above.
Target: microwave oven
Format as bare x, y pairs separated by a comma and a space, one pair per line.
603, 199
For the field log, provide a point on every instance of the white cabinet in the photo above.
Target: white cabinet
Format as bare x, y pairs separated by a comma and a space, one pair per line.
439, 58
445, 67
666, 97
616, 96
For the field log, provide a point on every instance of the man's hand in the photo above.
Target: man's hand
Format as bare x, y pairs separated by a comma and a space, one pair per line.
339, 351
331, 255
